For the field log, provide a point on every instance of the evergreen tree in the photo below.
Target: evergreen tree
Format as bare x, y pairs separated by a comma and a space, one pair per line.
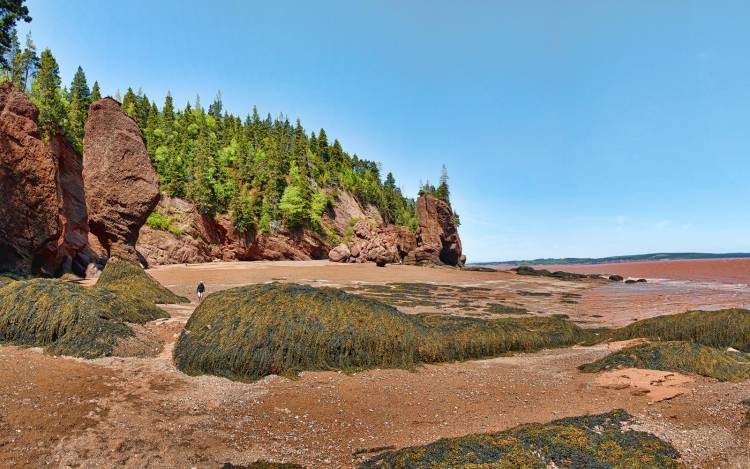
12, 56
202, 185
96, 94
47, 95
168, 114
27, 63
128, 103
442, 192
11, 11
80, 99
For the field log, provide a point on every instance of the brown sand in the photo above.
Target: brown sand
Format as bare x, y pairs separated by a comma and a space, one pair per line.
142, 412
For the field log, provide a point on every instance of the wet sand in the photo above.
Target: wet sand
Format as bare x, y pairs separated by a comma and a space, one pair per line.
736, 271
142, 412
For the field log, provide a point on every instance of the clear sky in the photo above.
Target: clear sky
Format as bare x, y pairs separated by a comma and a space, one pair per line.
569, 128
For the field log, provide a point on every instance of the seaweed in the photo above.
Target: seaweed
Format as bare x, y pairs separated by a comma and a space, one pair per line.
722, 328
131, 280
253, 331
68, 319
683, 357
588, 442
497, 308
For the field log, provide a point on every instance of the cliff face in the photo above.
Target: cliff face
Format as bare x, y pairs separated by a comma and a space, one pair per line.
44, 226
436, 242
51, 196
66, 213
187, 236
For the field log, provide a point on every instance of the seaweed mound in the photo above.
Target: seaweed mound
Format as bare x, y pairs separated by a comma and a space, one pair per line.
68, 319
131, 280
595, 441
253, 331
677, 356
722, 328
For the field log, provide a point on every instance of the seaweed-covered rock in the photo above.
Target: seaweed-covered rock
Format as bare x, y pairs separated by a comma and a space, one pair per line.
249, 332
131, 280
721, 329
122, 188
68, 319
683, 357
593, 441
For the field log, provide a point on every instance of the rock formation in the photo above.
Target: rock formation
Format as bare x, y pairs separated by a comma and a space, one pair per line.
196, 237
436, 242
386, 244
44, 227
122, 187
437, 237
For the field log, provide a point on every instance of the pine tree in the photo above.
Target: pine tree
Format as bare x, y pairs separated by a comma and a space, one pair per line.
442, 192
128, 103
168, 114
29, 61
80, 99
47, 95
11, 11
12, 58
96, 94
202, 186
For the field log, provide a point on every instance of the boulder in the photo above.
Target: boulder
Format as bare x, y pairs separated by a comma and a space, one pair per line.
340, 253
121, 186
44, 225
437, 237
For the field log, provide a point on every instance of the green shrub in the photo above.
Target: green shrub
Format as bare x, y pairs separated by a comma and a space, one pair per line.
132, 281
68, 319
683, 357
161, 222
249, 332
723, 328
594, 441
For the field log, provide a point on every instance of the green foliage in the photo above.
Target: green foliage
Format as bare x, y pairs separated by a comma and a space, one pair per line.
161, 222
11, 11
723, 328
68, 319
132, 281
265, 173
47, 95
249, 332
592, 441
684, 357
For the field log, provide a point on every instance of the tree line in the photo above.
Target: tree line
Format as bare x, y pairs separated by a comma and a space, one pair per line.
265, 172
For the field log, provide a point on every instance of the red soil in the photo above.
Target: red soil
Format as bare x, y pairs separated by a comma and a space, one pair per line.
716, 270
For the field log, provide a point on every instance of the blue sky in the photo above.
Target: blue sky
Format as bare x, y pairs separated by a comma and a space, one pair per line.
569, 128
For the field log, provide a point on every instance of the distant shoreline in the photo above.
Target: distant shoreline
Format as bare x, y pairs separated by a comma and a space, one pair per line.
620, 259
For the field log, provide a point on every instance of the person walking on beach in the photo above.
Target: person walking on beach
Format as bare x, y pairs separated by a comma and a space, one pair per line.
201, 289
